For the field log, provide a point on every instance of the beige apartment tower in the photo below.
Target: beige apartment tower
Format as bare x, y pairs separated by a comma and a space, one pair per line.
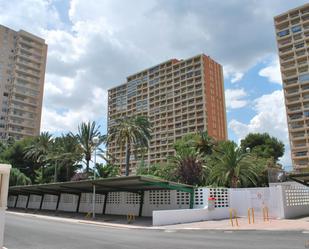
22, 72
292, 33
179, 97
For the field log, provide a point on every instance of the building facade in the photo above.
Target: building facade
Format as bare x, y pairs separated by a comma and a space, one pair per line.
22, 72
292, 33
178, 97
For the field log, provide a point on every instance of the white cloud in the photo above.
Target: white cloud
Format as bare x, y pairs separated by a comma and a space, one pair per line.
68, 120
31, 15
272, 71
270, 117
105, 41
234, 98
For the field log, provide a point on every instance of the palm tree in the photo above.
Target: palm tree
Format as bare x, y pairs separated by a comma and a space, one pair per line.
107, 170
205, 143
86, 132
189, 166
233, 167
39, 149
130, 131
66, 153
18, 178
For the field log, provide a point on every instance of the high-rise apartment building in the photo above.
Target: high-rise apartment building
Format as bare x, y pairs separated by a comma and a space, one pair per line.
292, 33
178, 96
22, 72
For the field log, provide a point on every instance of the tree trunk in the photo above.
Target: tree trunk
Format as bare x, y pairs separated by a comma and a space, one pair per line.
55, 174
42, 170
234, 182
67, 169
128, 152
87, 166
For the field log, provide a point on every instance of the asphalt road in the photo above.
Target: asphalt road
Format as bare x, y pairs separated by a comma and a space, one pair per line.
37, 233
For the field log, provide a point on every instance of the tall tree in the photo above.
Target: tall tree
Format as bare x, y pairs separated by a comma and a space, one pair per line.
86, 133
189, 166
18, 178
205, 143
263, 145
128, 133
15, 155
232, 166
64, 157
39, 149
107, 170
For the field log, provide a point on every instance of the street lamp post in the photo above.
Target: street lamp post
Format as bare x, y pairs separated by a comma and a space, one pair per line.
95, 141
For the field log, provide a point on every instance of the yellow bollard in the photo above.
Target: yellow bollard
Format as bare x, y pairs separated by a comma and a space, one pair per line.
253, 215
130, 218
88, 215
265, 214
233, 213
250, 213
231, 217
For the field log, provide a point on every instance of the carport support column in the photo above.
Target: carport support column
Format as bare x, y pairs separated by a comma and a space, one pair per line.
58, 201
78, 202
191, 198
42, 199
141, 203
105, 203
28, 199
15, 205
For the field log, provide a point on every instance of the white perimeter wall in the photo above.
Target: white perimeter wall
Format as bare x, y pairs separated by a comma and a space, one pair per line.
284, 200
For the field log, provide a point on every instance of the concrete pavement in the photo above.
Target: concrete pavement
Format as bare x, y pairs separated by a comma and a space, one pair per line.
145, 223
30, 232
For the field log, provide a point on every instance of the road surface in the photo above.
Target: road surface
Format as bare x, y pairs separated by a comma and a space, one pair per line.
23, 232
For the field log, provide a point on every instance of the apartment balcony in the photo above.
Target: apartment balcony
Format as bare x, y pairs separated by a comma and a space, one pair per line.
29, 64
30, 49
293, 110
288, 65
23, 115
26, 124
285, 42
25, 100
288, 74
28, 72
29, 79
300, 155
24, 108
296, 137
281, 20
25, 93
29, 56
300, 146
292, 92
30, 43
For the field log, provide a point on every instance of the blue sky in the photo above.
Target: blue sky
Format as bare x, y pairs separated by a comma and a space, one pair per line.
95, 44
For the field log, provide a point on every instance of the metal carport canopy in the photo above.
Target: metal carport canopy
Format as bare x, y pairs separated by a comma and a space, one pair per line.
302, 178
134, 184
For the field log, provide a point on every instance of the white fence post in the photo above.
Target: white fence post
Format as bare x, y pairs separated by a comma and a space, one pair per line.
4, 184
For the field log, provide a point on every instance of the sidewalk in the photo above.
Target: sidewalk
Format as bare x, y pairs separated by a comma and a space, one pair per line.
271, 225
115, 221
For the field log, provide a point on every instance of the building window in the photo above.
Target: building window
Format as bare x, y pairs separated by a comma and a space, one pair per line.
299, 45
296, 28
283, 33
303, 78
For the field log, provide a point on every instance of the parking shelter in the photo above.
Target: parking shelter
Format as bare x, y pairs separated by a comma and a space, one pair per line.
139, 195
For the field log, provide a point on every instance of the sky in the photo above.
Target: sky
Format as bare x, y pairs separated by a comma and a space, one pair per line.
93, 45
